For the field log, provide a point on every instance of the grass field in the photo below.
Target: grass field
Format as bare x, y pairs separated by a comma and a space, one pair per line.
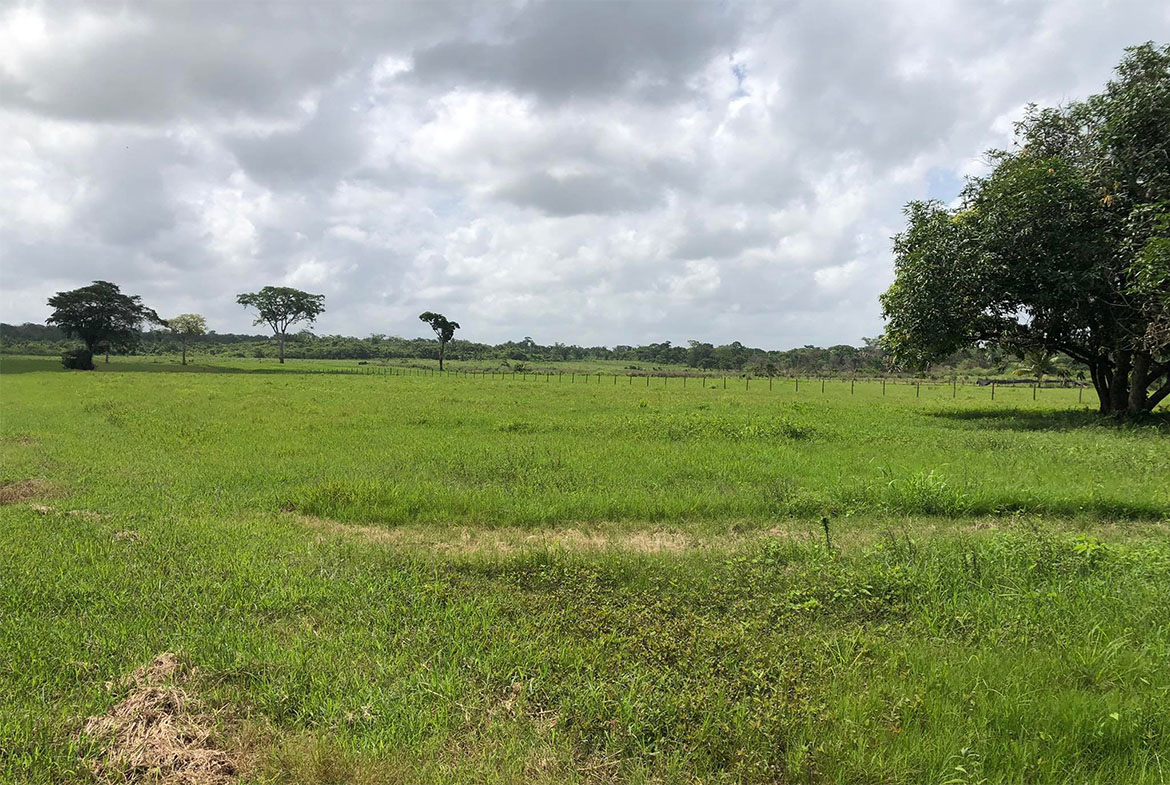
373, 578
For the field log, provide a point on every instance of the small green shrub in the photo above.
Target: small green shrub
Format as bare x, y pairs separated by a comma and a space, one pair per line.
78, 360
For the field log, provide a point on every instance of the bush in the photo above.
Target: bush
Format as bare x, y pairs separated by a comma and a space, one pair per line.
78, 360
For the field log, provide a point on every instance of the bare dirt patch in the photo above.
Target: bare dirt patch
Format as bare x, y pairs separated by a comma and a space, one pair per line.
23, 490
159, 733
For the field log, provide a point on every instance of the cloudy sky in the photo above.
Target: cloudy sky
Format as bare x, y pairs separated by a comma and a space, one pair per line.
588, 172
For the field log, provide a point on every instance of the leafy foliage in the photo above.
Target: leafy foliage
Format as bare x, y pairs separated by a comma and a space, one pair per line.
1061, 248
280, 307
78, 360
101, 316
187, 327
444, 329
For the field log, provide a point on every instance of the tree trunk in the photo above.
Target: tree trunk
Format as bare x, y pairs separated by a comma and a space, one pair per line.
184, 354
1098, 372
280, 340
442, 347
1138, 383
1119, 389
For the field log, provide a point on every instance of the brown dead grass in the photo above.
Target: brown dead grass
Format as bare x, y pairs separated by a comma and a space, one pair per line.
503, 541
159, 733
23, 490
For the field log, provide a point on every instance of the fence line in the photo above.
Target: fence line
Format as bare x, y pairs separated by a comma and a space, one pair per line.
993, 385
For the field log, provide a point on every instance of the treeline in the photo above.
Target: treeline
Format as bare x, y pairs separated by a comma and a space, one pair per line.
842, 359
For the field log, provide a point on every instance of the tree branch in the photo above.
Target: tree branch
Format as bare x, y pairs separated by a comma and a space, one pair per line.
1156, 397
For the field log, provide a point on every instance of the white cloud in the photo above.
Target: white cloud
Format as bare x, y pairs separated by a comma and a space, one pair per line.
618, 172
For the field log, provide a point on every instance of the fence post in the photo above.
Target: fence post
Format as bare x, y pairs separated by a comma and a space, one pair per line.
798, 384
615, 380
883, 386
918, 389
954, 388
724, 382
647, 380
1080, 393
851, 382
822, 386
769, 384
993, 391
684, 382
1034, 386
747, 380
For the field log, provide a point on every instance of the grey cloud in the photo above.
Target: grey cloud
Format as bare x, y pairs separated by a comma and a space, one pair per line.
328, 146
701, 243
577, 194
564, 50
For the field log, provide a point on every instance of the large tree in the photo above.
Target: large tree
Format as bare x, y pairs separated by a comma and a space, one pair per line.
444, 330
187, 327
1062, 247
101, 317
280, 307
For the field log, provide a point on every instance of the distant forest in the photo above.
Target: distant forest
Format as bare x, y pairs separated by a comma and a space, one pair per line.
842, 359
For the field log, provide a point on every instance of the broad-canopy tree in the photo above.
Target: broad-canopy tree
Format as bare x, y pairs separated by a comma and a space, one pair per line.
1064, 247
101, 317
280, 307
187, 327
444, 329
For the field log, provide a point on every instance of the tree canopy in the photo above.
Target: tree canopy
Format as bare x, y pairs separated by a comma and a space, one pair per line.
444, 329
280, 307
1063, 247
101, 317
187, 327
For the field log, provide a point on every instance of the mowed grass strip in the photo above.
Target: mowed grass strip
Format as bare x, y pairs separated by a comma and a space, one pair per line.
374, 643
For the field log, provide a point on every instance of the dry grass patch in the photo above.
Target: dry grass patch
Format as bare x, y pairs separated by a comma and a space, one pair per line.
463, 540
24, 490
159, 733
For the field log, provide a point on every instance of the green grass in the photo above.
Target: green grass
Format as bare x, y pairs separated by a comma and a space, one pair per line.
424, 579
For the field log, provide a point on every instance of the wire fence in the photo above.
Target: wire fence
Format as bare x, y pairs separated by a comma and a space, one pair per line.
809, 384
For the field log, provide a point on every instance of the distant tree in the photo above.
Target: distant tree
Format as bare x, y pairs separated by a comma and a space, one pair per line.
101, 317
444, 328
1037, 364
1060, 248
280, 307
187, 327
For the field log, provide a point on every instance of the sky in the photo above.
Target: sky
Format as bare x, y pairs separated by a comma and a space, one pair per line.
585, 172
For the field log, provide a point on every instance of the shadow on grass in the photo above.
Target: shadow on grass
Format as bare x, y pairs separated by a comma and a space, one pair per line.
1017, 419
